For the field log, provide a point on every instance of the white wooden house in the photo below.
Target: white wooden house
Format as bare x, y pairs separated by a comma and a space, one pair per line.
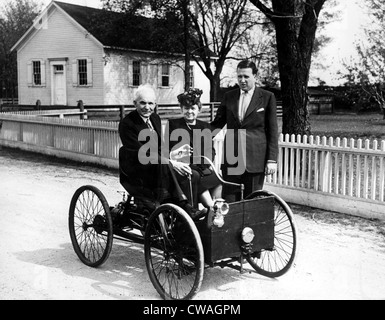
60, 62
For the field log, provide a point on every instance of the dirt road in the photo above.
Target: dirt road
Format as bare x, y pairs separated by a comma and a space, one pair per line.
339, 257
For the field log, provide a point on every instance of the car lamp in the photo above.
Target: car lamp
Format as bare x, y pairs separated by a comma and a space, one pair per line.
247, 235
221, 208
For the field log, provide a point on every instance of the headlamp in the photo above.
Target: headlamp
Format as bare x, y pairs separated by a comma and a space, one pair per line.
224, 208
247, 235
221, 206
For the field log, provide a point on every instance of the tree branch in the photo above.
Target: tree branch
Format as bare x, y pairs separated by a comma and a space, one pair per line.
265, 10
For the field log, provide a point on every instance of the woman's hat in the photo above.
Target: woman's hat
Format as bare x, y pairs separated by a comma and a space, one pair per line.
190, 97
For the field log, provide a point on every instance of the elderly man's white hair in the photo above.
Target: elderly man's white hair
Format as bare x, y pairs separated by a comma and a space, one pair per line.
144, 88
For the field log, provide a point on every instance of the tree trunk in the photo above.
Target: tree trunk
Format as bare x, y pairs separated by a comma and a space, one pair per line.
215, 85
293, 76
295, 24
294, 65
215, 80
187, 55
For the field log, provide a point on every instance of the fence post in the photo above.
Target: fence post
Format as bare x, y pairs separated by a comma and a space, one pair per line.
121, 112
382, 173
212, 115
81, 107
38, 105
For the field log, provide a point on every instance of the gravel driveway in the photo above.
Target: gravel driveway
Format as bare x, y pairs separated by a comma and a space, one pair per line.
339, 257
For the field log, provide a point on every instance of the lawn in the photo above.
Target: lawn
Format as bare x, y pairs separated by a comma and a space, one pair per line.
349, 125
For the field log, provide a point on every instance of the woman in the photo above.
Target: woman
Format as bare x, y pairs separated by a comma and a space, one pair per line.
198, 135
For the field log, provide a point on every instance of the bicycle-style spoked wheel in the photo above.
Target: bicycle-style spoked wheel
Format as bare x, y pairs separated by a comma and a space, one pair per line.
276, 261
173, 253
90, 226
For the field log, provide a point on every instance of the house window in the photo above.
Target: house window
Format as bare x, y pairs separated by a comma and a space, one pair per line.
136, 77
36, 73
58, 68
192, 77
82, 72
165, 75
36, 69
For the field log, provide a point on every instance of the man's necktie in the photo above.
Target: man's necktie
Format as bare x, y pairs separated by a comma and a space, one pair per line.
243, 105
149, 125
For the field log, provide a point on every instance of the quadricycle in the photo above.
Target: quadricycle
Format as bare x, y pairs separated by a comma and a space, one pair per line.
259, 230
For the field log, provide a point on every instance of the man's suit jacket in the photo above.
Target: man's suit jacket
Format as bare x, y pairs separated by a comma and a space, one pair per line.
260, 123
129, 128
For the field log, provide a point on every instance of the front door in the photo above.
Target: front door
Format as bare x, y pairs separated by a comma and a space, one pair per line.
59, 90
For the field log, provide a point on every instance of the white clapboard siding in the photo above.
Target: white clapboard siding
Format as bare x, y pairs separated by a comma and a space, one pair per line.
63, 40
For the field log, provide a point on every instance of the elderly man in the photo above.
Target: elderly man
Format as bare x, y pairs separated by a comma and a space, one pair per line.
144, 169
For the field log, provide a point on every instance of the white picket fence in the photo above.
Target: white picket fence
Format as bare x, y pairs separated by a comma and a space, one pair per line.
81, 140
348, 167
343, 175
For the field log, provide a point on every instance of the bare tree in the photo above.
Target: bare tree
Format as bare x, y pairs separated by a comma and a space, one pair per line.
17, 17
219, 26
368, 71
211, 30
259, 45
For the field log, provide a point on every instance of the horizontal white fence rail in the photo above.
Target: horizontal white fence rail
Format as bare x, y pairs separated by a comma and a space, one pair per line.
342, 175
60, 113
9, 101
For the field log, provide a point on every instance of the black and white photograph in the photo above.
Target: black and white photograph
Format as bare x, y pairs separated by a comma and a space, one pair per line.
220, 152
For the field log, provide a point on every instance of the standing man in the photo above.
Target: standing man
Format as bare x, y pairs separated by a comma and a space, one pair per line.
250, 114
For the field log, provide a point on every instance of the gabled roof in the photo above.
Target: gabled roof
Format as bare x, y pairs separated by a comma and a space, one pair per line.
81, 14
110, 29
40, 21
87, 17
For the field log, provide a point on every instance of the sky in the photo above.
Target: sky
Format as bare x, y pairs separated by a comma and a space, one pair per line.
87, 3
344, 31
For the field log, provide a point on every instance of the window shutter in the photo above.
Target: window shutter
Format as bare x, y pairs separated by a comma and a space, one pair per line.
144, 73
42, 70
75, 73
89, 72
172, 79
159, 75
29, 74
130, 72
